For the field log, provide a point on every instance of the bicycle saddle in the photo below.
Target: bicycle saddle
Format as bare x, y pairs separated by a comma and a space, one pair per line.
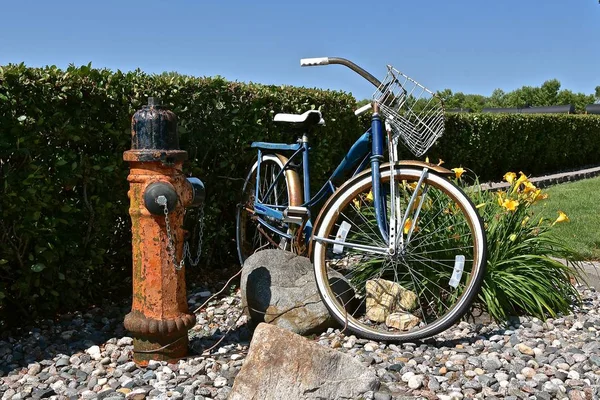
309, 119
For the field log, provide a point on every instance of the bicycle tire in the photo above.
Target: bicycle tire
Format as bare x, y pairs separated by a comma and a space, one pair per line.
435, 231
250, 236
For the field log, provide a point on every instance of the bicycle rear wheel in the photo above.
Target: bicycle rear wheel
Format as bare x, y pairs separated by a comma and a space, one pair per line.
254, 232
431, 278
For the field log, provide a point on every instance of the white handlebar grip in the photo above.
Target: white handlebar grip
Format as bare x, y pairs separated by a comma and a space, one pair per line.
363, 109
309, 62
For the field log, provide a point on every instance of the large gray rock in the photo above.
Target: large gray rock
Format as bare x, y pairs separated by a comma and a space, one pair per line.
278, 287
283, 365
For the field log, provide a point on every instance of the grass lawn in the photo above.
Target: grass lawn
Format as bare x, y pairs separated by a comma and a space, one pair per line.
581, 202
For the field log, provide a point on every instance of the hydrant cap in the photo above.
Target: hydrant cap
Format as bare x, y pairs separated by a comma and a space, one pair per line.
154, 128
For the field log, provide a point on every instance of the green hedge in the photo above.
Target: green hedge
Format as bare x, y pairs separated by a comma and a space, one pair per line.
492, 144
65, 229
64, 226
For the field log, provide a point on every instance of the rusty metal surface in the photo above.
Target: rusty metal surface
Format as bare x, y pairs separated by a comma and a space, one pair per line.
137, 322
159, 311
163, 289
159, 317
150, 155
170, 350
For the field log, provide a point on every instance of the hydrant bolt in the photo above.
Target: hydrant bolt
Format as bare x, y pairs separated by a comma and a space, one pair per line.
154, 191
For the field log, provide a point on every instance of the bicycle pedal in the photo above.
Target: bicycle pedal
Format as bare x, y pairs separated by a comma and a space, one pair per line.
295, 215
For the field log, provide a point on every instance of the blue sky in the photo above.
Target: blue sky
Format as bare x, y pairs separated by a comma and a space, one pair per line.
473, 46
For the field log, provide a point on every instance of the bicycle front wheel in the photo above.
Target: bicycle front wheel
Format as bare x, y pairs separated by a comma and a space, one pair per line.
415, 289
275, 189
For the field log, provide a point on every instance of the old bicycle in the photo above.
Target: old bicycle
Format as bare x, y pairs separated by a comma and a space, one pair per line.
398, 249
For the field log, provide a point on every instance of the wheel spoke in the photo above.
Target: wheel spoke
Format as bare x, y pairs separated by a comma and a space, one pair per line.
273, 192
441, 231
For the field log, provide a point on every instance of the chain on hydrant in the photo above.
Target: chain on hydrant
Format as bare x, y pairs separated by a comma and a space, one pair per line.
159, 193
162, 201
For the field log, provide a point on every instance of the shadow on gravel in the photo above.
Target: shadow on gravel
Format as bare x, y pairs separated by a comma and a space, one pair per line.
68, 334
200, 344
466, 341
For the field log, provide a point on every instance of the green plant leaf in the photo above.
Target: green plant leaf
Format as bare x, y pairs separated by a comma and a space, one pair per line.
38, 267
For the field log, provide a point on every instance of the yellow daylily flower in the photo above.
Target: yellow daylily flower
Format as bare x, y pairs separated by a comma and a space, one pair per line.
510, 205
562, 217
500, 197
522, 179
412, 185
458, 172
538, 195
509, 177
529, 187
408, 225
416, 202
368, 197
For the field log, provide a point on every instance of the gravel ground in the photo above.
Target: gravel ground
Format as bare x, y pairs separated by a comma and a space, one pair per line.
88, 356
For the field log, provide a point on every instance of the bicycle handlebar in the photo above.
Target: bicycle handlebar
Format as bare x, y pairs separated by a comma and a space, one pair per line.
363, 109
310, 62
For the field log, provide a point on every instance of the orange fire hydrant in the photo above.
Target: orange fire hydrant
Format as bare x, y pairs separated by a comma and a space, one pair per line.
159, 192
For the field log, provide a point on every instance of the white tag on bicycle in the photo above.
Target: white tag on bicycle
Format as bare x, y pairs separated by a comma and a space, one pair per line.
341, 237
459, 264
282, 243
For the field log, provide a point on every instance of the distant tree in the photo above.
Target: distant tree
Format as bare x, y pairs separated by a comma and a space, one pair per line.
475, 102
446, 95
497, 99
458, 100
523, 97
579, 100
548, 94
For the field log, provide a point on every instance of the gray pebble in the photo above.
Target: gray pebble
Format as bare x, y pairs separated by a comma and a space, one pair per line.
62, 362
556, 359
491, 364
382, 396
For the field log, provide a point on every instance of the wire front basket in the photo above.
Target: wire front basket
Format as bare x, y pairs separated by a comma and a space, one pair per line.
415, 113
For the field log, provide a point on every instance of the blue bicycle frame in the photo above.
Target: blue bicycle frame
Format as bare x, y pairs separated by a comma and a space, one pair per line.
368, 148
